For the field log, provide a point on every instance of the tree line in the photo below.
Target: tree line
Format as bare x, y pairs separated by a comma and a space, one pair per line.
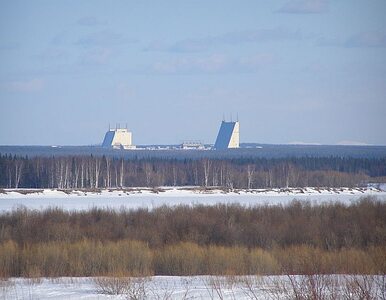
95, 172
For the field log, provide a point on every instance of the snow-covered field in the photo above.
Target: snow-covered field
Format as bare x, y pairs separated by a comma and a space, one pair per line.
149, 198
199, 287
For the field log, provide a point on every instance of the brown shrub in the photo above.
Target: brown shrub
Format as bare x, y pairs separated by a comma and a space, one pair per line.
9, 259
262, 262
180, 259
134, 258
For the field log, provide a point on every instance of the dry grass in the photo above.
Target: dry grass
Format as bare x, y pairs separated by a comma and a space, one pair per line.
133, 288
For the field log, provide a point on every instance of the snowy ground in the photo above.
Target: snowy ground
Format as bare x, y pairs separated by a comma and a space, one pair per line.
199, 287
148, 198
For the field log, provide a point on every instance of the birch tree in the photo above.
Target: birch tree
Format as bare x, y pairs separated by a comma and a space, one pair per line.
97, 171
108, 172
206, 164
18, 169
121, 174
250, 172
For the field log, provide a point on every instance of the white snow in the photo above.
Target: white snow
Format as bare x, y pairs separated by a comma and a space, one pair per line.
197, 287
148, 198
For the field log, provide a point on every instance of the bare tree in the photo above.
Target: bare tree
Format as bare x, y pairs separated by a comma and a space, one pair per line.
89, 174
82, 173
9, 172
108, 172
60, 171
195, 174
121, 174
174, 173
116, 175
76, 175
97, 171
206, 164
250, 172
66, 173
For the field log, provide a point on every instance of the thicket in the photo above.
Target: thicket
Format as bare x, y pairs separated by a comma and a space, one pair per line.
81, 172
328, 226
133, 258
299, 238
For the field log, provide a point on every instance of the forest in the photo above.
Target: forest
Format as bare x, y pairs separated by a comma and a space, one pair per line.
96, 172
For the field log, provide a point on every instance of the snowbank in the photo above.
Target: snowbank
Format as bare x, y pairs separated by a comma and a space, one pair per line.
152, 198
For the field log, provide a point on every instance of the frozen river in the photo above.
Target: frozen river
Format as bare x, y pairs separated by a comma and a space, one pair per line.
146, 198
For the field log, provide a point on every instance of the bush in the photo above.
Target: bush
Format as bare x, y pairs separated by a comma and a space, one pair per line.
9, 260
181, 260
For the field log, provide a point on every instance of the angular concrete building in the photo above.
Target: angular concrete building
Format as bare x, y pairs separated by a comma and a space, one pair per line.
228, 136
119, 138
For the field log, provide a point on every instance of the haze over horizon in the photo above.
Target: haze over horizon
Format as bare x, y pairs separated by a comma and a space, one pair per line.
304, 71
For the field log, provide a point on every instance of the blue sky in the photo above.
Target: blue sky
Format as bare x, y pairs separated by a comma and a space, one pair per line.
309, 71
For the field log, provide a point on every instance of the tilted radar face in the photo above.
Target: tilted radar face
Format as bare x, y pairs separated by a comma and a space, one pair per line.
228, 136
118, 139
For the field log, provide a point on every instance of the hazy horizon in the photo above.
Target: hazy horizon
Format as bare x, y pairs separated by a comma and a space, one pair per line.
294, 71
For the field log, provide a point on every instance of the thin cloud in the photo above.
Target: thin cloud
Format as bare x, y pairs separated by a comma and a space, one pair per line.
52, 54
156, 46
91, 21
329, 42
26, 86
61, 38
125, 91
96, 57
192, 45
231, 38
9, 46
256, 61
215, 63
352, 143
104, 38
208, 64
304, 7
367, 39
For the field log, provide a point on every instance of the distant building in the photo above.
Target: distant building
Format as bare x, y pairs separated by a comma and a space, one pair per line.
119, 138
192, 145
228, 136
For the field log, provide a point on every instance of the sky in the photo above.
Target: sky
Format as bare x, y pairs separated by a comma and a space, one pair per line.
292, 71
